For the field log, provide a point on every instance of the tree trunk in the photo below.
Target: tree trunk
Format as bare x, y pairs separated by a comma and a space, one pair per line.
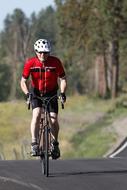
115, 68
101, 76
115, 46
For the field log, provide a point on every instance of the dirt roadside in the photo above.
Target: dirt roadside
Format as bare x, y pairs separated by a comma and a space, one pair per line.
119, 126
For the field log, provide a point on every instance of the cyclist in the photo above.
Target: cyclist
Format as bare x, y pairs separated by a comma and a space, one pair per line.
45, 70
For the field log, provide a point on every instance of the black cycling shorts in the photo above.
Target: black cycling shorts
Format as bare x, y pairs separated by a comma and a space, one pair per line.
53, 104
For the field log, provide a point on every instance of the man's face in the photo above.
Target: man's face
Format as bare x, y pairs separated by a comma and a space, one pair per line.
42, 56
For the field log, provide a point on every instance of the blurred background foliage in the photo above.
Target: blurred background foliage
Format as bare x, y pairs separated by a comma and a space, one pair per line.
90, 37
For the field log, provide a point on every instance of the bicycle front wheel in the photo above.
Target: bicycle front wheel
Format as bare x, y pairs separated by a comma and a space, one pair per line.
46, 153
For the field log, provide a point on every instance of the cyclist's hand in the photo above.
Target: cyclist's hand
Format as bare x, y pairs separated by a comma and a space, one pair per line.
63, 97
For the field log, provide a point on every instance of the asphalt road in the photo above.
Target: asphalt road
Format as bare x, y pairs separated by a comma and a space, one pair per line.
86, 174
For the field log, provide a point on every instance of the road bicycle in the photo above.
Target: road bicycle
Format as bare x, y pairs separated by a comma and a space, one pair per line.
45, 137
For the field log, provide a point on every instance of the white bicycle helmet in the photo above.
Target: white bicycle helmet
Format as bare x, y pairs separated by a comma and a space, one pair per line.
42, 45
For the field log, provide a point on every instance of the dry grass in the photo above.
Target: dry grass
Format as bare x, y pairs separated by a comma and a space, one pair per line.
82, 121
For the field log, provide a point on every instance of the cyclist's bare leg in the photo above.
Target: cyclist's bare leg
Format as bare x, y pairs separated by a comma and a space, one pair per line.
55, 151
35, 123
55, 125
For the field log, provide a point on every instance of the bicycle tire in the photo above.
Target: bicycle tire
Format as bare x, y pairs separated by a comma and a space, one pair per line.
46, 153
43, 156
44, 146
41, 147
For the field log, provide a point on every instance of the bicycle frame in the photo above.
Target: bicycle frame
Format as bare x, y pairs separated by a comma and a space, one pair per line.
45, 134
45, 137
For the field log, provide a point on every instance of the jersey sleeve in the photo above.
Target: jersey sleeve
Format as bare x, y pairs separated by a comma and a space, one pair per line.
60, 70
26, 69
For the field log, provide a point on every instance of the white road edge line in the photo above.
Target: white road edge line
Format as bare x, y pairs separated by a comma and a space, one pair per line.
118, 151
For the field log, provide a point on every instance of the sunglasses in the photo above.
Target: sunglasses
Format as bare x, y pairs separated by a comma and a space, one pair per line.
40, 52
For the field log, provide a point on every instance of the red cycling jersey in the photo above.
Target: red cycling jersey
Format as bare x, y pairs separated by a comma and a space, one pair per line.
44, 75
